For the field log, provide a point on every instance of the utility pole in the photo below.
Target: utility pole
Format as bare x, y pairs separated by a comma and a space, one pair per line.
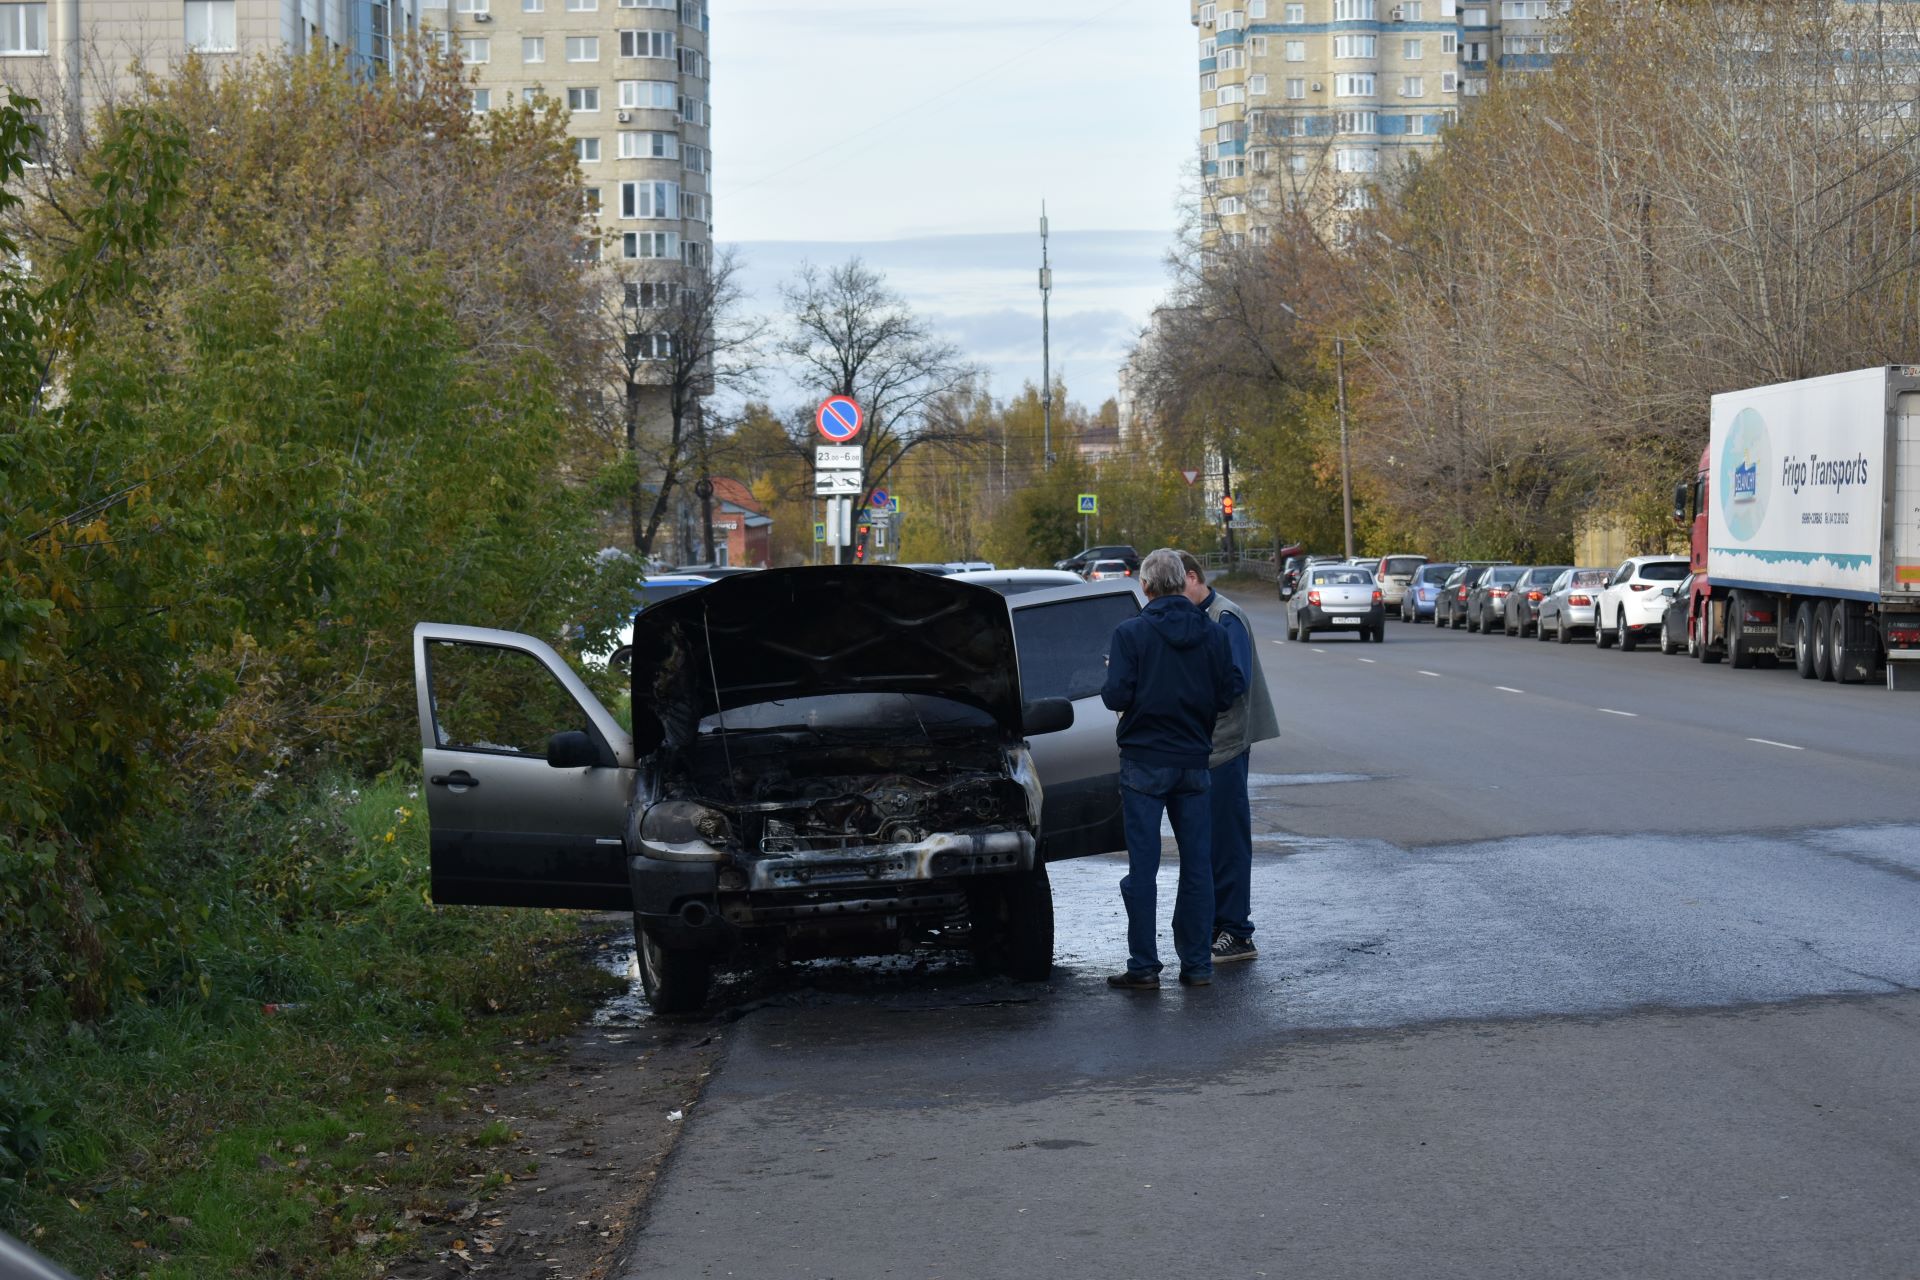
1046, 350
1346, 465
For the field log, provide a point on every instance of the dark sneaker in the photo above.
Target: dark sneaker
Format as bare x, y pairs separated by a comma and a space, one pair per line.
1226, 947
1196, 979
1131, 981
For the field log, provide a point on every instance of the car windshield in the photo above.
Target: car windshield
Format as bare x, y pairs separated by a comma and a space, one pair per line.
854, 713
1505, 576
1401, 564
1541, 577
1663, 571
1432, 573
1590, 578
1342, 578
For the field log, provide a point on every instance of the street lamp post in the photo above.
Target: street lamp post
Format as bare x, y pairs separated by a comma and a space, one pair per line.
1346, 462
1046, 350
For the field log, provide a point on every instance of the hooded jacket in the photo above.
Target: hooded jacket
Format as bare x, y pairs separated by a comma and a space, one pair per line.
1170, 674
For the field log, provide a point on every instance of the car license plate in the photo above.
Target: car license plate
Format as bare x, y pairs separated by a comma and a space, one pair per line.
1346, 622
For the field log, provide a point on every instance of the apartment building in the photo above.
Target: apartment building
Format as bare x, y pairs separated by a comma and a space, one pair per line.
74, 54
1304, 104
633, 75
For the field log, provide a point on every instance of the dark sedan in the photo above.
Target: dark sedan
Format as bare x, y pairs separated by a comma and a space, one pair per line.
1523, 601
1488, 599
1450, 609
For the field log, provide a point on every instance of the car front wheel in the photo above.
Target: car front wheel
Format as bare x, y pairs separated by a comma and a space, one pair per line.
672, 981
1013, 925
1627, 639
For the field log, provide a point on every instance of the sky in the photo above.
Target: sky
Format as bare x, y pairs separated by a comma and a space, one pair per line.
922, 136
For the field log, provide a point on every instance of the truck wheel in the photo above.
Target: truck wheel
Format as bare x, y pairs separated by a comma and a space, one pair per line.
1703, 642
672, 981
1848, 667
1628, 642
1803, 640
1013, 925
1823, 640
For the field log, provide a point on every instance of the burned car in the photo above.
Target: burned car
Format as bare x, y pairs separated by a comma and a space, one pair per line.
821, 761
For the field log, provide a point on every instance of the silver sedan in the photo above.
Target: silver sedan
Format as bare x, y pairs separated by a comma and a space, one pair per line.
1569, 605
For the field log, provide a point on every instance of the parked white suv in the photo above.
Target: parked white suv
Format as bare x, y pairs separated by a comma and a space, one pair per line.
1634, 601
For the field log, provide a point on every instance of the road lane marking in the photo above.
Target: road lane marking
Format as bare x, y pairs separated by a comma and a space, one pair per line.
1435, 674
1631, 715
1368, 661
1319, 650
1502, 688
1769, 742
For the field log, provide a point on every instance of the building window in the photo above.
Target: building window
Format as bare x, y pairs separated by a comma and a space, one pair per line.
693, 63
1449, 45
1297, 162
695, 159
586, 150
693, 207
655, 95
210, 25
650, 244
1209, 117
1232, 59
533, 6
1233, 20
649, 199
1231, 205
533, 48
530, 94
1296, 87
1296, 51
586, 99
1534, 8
475, 50
1474, 16
1413, 86
471, 6
583, 6
1355, 47
646, 44
1296, 14
1523, 44
1257, 86
1262, 161
1353, 85
23, 27
1410, 49
1353, 10
1473, 86
1257, 46
590, 200
1207, 48
1256, 8
647, 4
1357, 122
481, 101
1449, 81
1416, 125
583, 48
1206, 15
1209, 82
1231, 94
1356, 198
649, 146
1409, 10
693, 110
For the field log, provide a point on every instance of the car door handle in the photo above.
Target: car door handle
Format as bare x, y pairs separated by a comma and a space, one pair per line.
458, 778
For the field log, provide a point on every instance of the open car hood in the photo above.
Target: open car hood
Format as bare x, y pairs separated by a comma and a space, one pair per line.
803, 632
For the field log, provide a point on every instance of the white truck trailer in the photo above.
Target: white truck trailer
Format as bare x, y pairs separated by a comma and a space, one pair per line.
1805, 517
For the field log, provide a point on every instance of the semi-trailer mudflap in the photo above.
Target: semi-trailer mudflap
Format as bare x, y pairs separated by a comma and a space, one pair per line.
1901, 634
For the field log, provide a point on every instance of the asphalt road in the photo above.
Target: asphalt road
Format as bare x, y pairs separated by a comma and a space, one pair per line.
1573, 963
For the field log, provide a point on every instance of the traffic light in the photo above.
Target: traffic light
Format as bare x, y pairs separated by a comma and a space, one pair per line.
1226, 508
860, 543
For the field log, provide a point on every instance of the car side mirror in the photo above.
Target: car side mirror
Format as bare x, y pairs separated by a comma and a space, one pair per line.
1046, 715
574, 749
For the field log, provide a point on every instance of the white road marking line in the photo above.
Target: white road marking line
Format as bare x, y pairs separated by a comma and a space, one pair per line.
1435, 674
1769, 742
1368, 661
1319, 650
1502, 688
1631, 715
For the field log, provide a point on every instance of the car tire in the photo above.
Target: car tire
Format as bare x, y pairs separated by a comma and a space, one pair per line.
672, 981
1013, 925
1823, 640
1306, 633
1628, 641
1667, 646
1803, 641
1601, 639
1380, 634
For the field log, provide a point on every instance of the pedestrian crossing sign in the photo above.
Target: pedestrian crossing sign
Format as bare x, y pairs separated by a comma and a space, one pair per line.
1089, 504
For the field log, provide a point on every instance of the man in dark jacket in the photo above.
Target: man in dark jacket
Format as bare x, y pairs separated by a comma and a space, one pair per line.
1170, 673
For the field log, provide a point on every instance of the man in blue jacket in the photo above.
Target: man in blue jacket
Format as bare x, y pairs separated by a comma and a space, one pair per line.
1170, 673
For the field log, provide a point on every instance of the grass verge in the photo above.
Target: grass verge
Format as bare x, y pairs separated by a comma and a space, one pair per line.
284, 1100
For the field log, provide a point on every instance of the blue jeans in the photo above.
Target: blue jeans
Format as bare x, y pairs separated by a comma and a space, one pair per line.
1145, 792
1232, 848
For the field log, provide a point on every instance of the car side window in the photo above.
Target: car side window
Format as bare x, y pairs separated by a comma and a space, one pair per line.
502, 701
1063, 645
1621, 574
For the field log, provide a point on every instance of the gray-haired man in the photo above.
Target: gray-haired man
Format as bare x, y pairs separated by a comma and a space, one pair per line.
1249, 720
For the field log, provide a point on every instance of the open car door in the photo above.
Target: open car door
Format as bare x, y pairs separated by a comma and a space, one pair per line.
528, 777
1062, 637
